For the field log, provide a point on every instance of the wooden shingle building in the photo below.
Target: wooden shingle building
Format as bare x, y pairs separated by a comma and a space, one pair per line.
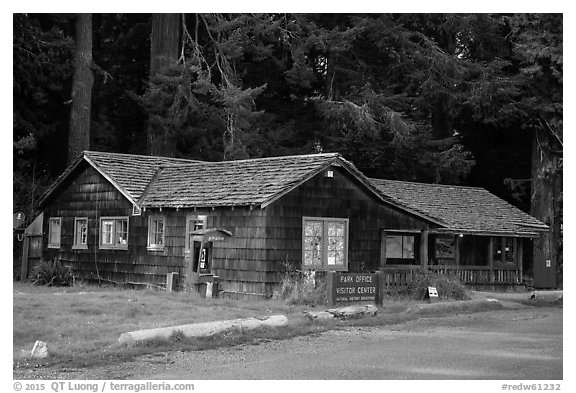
130, 218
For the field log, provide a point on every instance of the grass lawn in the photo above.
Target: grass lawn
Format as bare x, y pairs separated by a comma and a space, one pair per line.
81, 325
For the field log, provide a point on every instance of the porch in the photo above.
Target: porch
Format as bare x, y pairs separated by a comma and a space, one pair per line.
478, 260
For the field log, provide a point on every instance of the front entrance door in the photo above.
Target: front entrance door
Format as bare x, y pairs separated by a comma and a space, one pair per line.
194, 222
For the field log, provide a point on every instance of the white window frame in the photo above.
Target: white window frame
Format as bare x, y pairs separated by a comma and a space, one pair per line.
113, 245
324, 266
152, 246
54, 243
194, 217
78, 245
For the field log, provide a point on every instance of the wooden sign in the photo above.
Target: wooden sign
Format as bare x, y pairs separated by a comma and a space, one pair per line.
352, 287
432, 292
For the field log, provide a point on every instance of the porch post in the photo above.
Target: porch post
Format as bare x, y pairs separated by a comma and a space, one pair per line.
520, 258
424, 249
491, 258
24, 267
382, 249
457, 250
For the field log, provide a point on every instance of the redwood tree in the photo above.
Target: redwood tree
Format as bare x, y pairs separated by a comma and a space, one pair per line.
83, 79
164, 43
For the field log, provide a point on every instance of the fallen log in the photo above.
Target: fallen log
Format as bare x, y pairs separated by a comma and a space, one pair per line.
203, 329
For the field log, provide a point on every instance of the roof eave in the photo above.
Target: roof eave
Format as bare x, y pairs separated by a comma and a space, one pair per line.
481, 232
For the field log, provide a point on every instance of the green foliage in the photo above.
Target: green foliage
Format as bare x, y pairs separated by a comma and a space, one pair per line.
52, 273
300, 288
448, 286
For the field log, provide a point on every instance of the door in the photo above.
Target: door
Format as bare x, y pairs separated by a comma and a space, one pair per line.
194, 222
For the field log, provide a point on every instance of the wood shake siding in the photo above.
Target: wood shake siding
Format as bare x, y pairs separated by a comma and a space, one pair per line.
340, 196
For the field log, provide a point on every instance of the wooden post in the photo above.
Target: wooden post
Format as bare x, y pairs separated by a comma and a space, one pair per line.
424, 249
520, 258
380, 288
170, 280
457, 250
382, 249
24, 267
331, 293
491, 258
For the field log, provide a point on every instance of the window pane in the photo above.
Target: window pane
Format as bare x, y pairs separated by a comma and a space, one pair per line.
313, 243
339, 257
81, 232
331, 257
160, 233
336, 229
313, 228
408, 247
336, 243
157, 232
393, 246
308, 258
107, 226
121, 236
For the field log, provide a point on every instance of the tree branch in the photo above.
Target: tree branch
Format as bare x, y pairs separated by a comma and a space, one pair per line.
100, 71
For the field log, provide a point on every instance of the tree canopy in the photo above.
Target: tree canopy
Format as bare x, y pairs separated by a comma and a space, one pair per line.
424, 97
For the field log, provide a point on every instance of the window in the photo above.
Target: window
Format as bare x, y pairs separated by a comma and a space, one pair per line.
325, 243
197, 223
194, 222
400, 249
504, 250
156, 233
54, 232
114, 233
80, 233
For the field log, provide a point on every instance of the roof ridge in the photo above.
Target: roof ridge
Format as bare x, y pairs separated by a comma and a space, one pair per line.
325, 155
141, 155
431, 184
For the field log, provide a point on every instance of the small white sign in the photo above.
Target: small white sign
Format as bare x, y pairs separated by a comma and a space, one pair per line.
432, 292
548, 263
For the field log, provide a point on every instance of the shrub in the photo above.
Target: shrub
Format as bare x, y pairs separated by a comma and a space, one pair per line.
52, 273
448, 286
302, 288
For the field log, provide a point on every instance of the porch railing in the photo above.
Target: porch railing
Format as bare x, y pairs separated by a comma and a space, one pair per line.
400, 276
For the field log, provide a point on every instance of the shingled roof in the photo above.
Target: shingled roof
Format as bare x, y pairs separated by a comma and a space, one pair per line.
130, 173
463, 209
256, 182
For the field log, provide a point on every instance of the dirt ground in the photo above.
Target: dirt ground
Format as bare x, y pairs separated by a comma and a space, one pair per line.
519, 342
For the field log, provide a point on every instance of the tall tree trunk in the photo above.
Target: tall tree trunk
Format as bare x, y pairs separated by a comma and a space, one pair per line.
164, 43
546, 205
82, 81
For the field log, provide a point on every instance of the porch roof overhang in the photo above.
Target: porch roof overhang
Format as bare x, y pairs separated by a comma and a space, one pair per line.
492, 233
